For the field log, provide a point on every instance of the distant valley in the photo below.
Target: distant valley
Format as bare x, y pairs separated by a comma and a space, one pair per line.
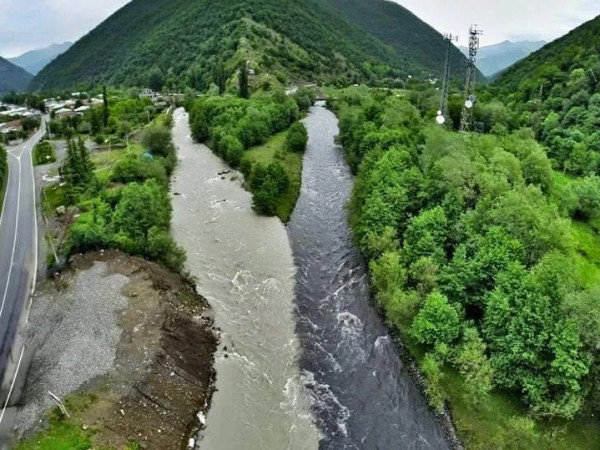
493, 59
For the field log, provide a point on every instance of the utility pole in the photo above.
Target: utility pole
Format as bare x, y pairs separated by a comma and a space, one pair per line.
442, 116
466, 119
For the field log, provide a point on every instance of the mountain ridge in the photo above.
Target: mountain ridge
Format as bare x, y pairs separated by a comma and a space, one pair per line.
13, 77
35, 60
185, 41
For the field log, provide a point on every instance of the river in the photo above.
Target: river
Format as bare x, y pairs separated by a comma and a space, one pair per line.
305, 361
364, 397
244, 266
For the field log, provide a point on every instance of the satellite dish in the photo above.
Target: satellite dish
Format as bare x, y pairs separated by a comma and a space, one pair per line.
468, 104
440, 119
439, 113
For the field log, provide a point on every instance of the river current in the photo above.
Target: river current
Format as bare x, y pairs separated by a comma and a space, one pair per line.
305, 361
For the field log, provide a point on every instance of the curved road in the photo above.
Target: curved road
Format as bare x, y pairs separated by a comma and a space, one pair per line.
18, 243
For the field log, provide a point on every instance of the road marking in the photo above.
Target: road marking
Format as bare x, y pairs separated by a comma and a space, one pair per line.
12, 385
14, 243
35, 254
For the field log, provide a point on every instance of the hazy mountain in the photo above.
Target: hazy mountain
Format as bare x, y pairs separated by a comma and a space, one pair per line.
12, 77
492, 59
35, 60
184, 41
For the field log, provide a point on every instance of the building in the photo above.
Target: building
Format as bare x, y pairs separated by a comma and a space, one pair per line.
64, 112
9, 130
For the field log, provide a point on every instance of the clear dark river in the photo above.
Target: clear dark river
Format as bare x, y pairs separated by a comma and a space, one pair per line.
362, 395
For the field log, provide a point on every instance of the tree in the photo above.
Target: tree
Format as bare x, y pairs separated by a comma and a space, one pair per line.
156, 79
220, 77
157, 140
437, 322
474, 366
105, 110
243, 81
297, 138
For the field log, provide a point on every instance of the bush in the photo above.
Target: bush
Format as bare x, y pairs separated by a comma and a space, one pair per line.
131, 169
268, 183
587, 192
157, 140
43, 153
297, 138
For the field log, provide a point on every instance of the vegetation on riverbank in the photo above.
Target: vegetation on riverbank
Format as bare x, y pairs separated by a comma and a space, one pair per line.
485, 267
117, 197
249, 134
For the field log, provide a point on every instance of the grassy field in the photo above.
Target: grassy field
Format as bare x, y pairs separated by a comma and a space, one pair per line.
274, 150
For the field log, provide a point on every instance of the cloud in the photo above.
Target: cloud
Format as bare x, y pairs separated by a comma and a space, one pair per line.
505, 19
25, 25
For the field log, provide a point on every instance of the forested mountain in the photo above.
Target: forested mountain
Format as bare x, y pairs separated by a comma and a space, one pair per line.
183, 42
12, 78
557, 91
492, 59
35, 60
401, 29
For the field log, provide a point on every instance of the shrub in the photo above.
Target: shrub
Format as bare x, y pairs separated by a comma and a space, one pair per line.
297, 138
157, 140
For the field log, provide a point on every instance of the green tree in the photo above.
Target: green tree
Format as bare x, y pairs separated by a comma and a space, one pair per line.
437, 322
297, 138
157, 140
243, 81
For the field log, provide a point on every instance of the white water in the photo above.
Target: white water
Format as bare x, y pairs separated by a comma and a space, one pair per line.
245, 269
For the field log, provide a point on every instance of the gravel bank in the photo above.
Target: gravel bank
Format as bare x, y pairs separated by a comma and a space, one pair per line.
76, 336
133, 339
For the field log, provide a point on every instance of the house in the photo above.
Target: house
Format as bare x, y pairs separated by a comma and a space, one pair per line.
82, 109
149, 93
64, 112
9, 130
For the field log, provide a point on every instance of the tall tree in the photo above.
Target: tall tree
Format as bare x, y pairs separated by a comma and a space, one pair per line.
105, 112
244, 89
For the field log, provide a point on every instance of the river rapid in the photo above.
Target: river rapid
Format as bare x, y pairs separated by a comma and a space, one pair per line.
364, 397
244, 266
305, 361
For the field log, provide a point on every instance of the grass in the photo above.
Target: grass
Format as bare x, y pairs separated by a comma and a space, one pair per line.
53, 196
274, 150
64, 433
43, 153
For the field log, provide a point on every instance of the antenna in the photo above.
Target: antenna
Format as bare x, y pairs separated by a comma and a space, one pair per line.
466, 119
442, 115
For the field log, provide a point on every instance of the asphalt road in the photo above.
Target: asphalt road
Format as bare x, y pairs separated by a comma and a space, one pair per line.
18, 242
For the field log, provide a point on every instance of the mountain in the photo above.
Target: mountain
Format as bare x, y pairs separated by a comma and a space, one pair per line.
556, 91
492, 59
35, 60
13, 78
185, 41
405, 32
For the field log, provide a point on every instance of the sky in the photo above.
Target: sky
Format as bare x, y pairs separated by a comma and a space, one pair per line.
501, 20
30, 24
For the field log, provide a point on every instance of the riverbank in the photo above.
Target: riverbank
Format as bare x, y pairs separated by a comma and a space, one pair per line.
128, 346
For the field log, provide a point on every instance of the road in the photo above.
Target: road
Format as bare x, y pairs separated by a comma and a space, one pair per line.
18, 243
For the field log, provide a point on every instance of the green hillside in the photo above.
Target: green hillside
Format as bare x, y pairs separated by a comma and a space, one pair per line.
12, 78
181, 42
556, 90
401, 29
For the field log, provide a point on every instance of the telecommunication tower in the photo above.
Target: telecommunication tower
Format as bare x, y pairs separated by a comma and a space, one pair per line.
442, 115
466, 118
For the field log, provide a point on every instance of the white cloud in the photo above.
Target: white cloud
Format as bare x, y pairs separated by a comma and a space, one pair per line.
26, 25
505, 19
